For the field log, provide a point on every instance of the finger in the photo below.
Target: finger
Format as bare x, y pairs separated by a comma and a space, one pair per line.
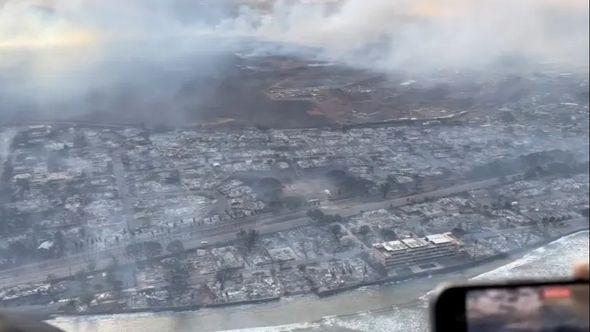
581, 271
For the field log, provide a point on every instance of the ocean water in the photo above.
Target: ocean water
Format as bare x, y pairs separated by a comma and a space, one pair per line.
393, 307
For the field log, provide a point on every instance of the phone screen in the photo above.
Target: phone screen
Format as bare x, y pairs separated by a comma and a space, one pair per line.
528, 308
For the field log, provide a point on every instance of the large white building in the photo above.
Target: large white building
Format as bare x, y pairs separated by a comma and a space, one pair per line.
416, 250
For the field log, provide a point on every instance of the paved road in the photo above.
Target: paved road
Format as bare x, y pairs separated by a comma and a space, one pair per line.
119, 171
65, 266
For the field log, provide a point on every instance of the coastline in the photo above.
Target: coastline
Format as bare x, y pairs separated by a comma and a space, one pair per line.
375, 308
412, 315
498, 259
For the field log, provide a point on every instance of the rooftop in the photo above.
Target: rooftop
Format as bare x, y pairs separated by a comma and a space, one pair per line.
411, 243
441, 238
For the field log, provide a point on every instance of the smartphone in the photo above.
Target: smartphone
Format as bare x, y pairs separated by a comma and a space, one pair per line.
559, 305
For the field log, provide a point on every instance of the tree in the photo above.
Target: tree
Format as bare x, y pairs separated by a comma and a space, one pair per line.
59, 243
316, 215
175, 246
385, 188
147, 249
222, 275
388, 234
336, 230
458, 231
391, 179
336, 218
270, 189
86, 298
248, 238
349, 184
177, 276
293, 202
113, 282
364, 229
320, 217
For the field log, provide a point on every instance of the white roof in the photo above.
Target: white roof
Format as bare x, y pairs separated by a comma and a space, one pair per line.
46, 245
440, 238
394, 246
413, 242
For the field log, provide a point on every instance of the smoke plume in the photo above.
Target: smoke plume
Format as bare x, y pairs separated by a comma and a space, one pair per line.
129, 59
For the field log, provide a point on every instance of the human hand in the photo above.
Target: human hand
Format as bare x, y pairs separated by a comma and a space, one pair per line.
581, 271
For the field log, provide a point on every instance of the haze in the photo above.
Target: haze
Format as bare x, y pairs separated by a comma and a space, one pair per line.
128, 61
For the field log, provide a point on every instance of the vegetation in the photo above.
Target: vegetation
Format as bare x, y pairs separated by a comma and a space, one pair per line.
144, 249
175, 246
177, 275
349, 185
336, 231
270, 190
388, 234
248, 238
320, 217
223, 274
86, 298
385, 188
364, 229
113, 283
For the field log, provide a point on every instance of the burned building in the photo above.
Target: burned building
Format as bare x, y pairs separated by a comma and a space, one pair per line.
416, 250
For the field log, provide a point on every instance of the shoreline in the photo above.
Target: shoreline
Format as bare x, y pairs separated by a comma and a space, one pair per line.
500, 258
383, 304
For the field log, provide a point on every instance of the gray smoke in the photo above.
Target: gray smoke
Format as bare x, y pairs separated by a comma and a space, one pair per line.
104, 59
130, 60
394, 34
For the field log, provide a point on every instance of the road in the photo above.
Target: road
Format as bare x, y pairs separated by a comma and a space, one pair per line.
63, 267
193, 237
353, 209
119, 171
